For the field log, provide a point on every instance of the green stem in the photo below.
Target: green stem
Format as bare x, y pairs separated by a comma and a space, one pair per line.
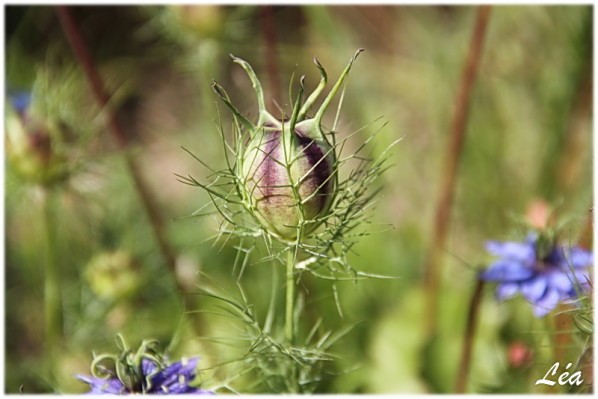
463, 100
290, 304
289, 325
52, 292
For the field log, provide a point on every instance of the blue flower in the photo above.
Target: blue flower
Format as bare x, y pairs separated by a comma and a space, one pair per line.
155, 379
20, 100
544, 275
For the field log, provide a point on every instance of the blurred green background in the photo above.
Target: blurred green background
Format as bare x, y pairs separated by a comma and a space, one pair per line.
528, 138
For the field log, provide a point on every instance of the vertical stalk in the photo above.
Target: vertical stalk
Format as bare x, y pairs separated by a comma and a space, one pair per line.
551, 351
52, 291
577, 138
563, 327
80, 49
466, 351
156, 221
565, 164
433, 271
289, 326
587, 232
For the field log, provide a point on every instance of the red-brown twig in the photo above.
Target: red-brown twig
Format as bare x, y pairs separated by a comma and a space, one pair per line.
83, 56
450, 166
472, 318
568, 174
578, 135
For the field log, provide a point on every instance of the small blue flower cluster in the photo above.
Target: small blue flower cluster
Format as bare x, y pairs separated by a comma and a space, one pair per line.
544, 279
170, 380
20, 100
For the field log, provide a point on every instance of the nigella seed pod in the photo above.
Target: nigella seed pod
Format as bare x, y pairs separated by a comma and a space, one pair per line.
288, 184
287, 175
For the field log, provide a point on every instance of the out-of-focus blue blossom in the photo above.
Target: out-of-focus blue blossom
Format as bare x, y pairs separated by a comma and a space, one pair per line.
20, 100
152, 378
544, 274
34, 145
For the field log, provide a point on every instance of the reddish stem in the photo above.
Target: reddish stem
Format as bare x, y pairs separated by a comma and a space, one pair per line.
577, 136
83, 56
453, 155
472, 318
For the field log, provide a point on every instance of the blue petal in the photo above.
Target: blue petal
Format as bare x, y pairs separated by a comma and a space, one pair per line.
20, 100
547, 303
518, 251
581, 277
175, 377
556, 257
165, 377
178, 387
506, 290
199, 391
103, 385
148, 366
534, 289
578, 258
507, 271
189, 367
559, 281
580, 283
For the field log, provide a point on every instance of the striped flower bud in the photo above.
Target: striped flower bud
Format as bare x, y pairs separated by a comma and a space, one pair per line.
287, 175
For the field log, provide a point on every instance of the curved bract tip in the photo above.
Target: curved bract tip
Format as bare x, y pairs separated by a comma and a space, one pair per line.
316, 93
257, 86
219, 90
337, 85
299, 110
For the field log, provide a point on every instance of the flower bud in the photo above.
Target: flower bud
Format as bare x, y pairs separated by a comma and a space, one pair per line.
144, 371
287, 183
287, 176
29, 144
113, 275
519, 354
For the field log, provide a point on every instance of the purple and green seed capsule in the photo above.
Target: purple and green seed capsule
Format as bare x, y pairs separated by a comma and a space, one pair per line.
288, 168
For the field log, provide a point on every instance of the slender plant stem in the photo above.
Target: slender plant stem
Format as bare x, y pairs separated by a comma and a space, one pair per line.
80, 49
574, 148
52, 291
587, 232
563, 332
289, 326
578, 136
433, 271
568, 173
468, 338
551, 351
